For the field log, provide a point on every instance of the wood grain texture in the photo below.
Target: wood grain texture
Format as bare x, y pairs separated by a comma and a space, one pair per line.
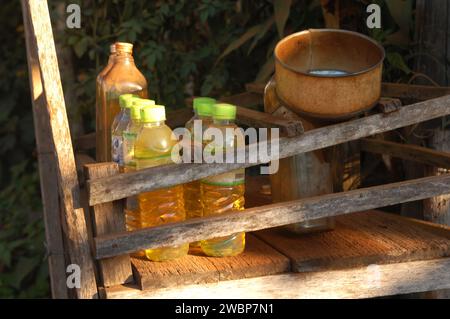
109, 218
258, 259
360, 239
125, 185
75, 223
82, 159
413, 92
251, 118
388, 105
272, 215
407, 152
47, 168
391, 279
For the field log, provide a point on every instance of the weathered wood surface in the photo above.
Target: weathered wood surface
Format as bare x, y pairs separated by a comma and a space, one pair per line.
258, 259
272, 215
393, 90
388, 105
360, 239
251, 118
82, 159
364, 282
407, 152
75, 223
47, 168
109, 218
413, 92
125, 185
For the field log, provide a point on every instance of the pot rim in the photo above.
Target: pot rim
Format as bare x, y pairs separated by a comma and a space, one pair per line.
293, 35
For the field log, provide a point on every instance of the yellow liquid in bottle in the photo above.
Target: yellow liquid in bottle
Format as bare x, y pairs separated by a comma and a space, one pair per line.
192, 200
153, 148
224, 193
218, 199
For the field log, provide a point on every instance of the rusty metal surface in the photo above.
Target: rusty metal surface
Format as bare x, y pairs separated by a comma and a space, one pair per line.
323, 96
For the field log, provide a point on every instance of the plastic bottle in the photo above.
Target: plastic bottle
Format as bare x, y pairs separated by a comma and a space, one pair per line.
203, 108
121, 121
131, 131
122, 78
132, 213
225, 192
153, 147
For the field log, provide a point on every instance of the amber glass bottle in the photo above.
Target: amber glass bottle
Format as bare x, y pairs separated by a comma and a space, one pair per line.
123, 77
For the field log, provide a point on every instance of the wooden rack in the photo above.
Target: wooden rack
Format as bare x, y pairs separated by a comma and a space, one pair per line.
93, 236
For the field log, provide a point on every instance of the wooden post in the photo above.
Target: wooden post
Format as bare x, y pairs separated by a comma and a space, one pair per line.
109, 218
47, 170
74, 224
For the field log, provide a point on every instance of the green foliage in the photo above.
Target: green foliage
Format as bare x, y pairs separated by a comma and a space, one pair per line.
186, 48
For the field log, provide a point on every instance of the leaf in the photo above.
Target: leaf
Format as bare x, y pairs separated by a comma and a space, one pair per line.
250, 33
264, 28
81, 46
281, 9
266, 71
396, 60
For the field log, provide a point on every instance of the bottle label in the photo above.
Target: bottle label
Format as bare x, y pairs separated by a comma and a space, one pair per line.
233, 178
128, 148
116, 149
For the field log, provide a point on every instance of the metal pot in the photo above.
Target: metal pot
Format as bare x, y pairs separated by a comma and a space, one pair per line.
328, 74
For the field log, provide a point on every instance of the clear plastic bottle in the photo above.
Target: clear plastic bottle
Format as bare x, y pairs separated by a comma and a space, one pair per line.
131, 131
121, 121
122, 78
225, 192
153, 147
203, 108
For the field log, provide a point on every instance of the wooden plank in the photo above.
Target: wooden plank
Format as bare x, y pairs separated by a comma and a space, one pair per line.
82, 159
128, 184
393, 90
75, 224
388, 105
251, 118
258, 259
47, 169
413, 92
407, 152
364, 282
359, 239
109, 218
272, 215
246, 99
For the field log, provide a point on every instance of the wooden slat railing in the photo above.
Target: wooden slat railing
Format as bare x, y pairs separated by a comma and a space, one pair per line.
273, 215
128, 184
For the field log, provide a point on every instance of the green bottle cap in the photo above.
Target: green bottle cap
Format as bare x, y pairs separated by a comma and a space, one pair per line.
153, 113
125, 100
202, 100
135, 111
223, 111
205, 108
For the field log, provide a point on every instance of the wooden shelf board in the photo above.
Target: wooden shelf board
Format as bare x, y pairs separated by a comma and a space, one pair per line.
259, 259
390, 279
361, 239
